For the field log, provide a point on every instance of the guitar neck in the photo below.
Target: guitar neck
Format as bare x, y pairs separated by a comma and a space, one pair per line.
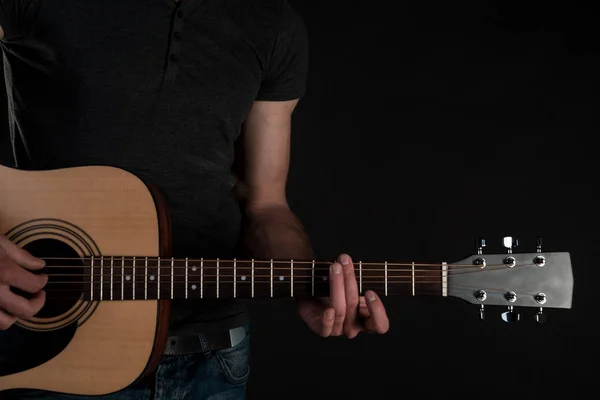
151, 278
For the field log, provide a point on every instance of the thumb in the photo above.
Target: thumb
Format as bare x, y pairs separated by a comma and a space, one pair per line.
19, 255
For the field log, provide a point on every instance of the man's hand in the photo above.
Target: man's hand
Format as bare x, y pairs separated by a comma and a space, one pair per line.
344, 312
14, 265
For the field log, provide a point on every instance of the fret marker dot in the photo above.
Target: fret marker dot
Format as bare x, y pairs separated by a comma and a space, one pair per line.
128, 277
324, 278
151, 277
281, 278
194, 269
244, 278
193, 287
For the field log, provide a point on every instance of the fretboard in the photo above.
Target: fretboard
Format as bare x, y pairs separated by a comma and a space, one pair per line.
145, 278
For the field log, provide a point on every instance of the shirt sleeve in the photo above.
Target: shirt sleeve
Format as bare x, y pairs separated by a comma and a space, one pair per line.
17, 16
286, 75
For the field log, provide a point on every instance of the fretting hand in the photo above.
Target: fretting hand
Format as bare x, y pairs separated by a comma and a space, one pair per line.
345, 312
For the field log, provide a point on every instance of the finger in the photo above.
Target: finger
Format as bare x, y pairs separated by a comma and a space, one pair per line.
337, 297
13, 275
6, 320
19, 255
363, 310
327, 325
379, 321
351, 325
19, 306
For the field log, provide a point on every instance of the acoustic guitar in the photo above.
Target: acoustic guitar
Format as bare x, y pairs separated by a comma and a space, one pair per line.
105, 237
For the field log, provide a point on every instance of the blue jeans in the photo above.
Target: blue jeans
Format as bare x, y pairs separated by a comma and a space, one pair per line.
217, 375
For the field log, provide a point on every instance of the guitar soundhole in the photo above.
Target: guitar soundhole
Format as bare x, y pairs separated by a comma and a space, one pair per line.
66, 279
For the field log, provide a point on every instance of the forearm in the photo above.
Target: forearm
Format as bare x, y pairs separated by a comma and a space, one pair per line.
275, 232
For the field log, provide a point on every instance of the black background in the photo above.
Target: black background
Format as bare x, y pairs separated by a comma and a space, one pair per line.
427, 124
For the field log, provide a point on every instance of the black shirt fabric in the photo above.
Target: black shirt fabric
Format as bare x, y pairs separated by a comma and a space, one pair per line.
160, 89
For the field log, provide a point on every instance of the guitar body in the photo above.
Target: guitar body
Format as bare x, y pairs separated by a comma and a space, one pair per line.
76, 346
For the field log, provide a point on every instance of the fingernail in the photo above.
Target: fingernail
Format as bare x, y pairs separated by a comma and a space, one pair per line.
371, 297
336, 268
344, 259
329, 314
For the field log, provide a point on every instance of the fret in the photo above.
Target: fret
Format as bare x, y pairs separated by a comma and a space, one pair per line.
158, 280
252, 278
202, 279
101, 277
386, 278
413, 278
186, 276
444, 279
172, 276
271, 277
312, 274
111, 277
92, 278
292, 278
217, 278
146, 278
122, 278
133, 278
234, 278
360, 290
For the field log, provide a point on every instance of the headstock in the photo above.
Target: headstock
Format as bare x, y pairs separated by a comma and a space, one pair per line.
534, 279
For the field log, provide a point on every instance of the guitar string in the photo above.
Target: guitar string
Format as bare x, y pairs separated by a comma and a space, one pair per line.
449, 272
256, 261
391, 292
141, 264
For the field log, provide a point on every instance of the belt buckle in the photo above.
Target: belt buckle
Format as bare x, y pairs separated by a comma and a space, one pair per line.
237, 335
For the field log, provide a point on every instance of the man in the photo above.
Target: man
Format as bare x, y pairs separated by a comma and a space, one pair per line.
170, 90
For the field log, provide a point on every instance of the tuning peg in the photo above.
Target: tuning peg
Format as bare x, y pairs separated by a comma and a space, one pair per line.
511, 315
510, 243
540, 317
538, 242
480, 245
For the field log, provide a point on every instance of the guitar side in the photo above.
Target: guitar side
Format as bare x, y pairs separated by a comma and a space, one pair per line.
93, 210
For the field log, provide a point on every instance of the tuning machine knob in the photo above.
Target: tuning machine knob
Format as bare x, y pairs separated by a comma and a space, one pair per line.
510, 243
480, 243
540, 317
511, 315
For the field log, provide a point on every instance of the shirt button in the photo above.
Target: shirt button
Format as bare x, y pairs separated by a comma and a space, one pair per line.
174, 58
177, 36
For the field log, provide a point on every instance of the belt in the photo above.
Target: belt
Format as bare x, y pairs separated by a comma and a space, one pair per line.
204, 342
